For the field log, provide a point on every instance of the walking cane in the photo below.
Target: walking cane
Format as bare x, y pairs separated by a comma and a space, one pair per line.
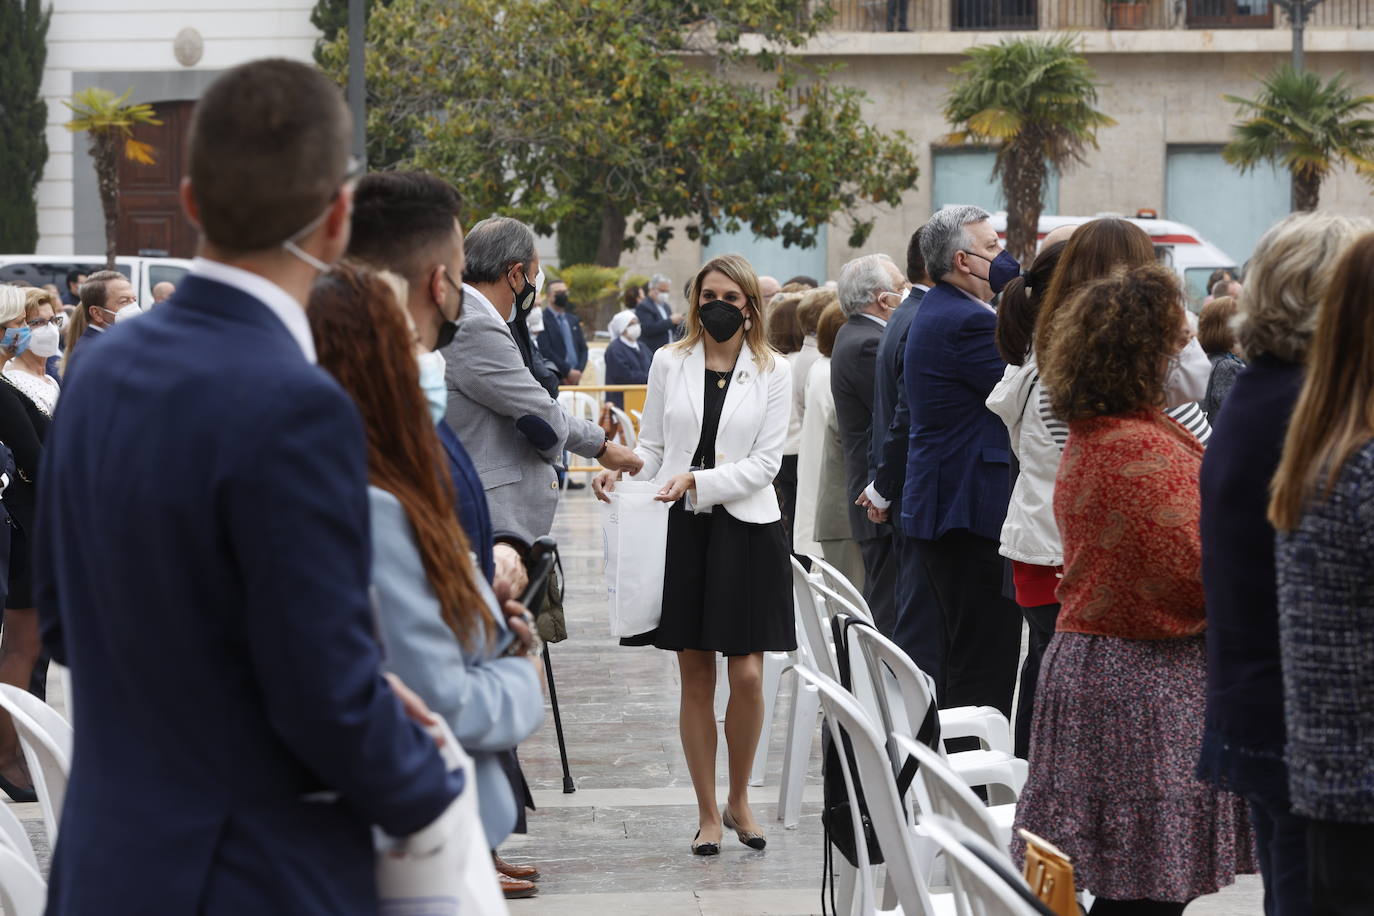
543, 555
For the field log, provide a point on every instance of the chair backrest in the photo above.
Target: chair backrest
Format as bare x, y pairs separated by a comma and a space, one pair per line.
47, 742
22, 889
813, 626
13, 835
888, 664
979, 890
627, 429
880, 794
946, 794
837, 580
580, 404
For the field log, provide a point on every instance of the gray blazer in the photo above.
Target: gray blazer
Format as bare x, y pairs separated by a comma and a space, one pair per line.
491, 703
510, 426
853, 364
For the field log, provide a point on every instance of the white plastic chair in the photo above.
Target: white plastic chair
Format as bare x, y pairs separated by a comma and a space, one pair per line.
979, 888
940, 791
884, 811
22, 889
14, 836
627, 429
580, 404
47, 742
825, 574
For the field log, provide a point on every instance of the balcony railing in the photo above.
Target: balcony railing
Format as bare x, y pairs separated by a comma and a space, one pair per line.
1021, 15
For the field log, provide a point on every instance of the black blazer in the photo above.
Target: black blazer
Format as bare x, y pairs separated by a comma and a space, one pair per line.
891, 417
655, 330
853, 364
550, 342
23, 427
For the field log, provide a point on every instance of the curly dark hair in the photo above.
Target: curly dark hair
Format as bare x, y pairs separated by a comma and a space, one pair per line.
1111, 344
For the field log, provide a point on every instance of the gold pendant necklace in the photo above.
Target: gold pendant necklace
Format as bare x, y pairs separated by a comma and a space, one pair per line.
720, 377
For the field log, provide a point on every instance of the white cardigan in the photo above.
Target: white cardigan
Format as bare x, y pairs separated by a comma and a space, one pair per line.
749, 439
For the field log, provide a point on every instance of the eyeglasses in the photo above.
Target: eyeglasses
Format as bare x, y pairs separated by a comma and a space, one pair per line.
56, 321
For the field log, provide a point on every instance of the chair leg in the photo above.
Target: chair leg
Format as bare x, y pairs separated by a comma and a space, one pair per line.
801, 729
773, 664
848, 894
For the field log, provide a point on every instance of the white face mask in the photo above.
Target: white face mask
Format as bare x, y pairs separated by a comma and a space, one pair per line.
661, 298
43, 341
129, 311
433, 384
534, 321
632, 333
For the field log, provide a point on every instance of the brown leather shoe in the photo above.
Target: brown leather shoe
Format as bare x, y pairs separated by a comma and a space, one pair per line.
515, 889
518, 872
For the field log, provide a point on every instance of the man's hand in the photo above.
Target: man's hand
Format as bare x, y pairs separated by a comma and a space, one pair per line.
676, 488
604, 483
519, 619
864, 501
676, 319
878, 516
574, 377
619, 457
413, 705
510, 569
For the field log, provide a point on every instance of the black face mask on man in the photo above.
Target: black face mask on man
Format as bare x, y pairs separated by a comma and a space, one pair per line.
561, 300
720, 319
524, 298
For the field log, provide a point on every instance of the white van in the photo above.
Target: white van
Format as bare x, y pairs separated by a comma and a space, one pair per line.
41, 269
1178, 245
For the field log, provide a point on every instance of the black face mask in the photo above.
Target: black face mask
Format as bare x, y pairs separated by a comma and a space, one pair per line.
561, 300
447, 329
524, 299
720, 319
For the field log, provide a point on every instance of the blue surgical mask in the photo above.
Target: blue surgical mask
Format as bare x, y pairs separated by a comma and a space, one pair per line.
1001, 269
18, 338
432, 383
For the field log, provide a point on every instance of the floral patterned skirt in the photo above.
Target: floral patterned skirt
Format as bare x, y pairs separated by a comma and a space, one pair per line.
1114, 743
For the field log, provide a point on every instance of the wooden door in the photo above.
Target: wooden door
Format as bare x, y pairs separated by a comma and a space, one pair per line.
150, 217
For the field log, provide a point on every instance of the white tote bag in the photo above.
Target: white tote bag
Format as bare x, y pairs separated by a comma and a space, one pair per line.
636, 531
445, 869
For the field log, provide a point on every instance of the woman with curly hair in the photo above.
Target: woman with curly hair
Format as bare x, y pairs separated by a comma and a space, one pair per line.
1118, 714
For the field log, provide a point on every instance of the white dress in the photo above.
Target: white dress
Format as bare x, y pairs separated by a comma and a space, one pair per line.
42, 390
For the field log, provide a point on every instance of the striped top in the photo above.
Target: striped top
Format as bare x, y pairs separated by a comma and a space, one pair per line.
1189, 416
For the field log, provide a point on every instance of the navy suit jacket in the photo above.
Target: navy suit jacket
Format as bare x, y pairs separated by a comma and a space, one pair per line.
202, 566
473, 513
655, 330
626, 365
551, 342
891, 416
957, 462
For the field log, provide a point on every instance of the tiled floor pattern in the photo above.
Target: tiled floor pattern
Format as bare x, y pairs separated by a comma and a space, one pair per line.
619, 844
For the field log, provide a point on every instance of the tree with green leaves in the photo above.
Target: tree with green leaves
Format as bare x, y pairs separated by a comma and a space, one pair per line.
1305, 125
610, 119
108, 121
23, 117
331, 18
1034, 101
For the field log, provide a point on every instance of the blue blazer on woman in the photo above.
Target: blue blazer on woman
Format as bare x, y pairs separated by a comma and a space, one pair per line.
201, 565
626, 365
958, 459
491, 703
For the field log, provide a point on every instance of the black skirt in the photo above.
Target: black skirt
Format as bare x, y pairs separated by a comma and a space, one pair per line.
727, 586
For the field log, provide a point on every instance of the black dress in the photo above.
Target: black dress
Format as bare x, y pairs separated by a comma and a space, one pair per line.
727, 586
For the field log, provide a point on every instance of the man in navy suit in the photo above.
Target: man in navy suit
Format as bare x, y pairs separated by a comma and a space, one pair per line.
658, 322
920, 629
562, 342
956, 492
202, 567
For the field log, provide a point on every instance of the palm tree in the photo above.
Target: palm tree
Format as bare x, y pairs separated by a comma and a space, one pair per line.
108, 120
1306, 126
1033, 99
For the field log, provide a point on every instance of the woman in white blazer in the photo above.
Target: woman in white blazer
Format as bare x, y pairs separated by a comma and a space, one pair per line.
715, 419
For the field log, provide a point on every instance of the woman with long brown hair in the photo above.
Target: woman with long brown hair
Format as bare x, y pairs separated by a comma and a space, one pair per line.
1323, 509
715, 419
445, 634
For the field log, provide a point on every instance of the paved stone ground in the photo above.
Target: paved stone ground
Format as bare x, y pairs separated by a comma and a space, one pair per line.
619, 844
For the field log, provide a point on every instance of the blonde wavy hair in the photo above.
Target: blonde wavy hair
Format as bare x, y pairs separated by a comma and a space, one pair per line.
1287, 280
36, 298
742, 273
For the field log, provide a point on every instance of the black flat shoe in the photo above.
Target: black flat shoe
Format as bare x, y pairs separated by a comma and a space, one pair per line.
752, 840
17, 794
704, 849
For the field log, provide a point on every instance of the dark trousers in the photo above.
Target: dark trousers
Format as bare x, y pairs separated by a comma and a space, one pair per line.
1281, 842
1338, 868
880, 581
1041, 622
983, 627
785, 484
920, 625
896, 15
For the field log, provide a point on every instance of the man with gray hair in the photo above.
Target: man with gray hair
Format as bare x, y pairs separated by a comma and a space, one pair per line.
956, 492
870, 289
658, 323
513, 429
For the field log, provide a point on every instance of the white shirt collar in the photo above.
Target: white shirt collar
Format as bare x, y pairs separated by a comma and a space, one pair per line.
871, 317
985, 305
921, 286
278, 300
470, 292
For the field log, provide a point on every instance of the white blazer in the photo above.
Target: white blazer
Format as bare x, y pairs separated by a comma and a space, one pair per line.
749, 440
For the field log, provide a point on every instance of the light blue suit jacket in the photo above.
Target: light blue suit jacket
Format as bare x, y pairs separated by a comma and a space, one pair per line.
491, 703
